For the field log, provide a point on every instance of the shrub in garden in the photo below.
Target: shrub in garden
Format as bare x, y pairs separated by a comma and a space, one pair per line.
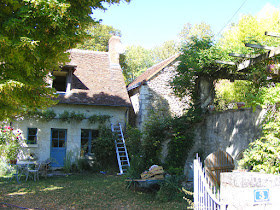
11, 142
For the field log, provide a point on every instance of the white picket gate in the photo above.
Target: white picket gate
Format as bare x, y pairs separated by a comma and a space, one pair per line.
206, 197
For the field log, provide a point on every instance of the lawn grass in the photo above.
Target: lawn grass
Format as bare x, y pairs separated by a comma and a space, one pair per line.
79, 191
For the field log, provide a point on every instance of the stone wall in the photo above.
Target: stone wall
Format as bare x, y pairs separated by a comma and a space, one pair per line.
230, 131
157, 94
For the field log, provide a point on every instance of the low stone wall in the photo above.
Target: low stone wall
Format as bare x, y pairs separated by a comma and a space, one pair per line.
250, 190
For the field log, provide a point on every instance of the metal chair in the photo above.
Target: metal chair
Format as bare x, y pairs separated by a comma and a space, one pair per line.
34, 171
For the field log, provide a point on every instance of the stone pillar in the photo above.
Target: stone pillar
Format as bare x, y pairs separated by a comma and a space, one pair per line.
250, 190
206, 91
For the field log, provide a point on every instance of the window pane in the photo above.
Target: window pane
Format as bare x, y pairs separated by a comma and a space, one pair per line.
62, 134
54, 143
55, 134
87, 140
61, 143
32, 131
84, 134
32, 136
59, 83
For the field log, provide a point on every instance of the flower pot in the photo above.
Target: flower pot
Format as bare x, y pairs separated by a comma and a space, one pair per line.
13, 161
240, 104
211, 108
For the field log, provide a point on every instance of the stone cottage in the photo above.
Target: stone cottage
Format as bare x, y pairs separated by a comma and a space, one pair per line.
151, 91
92, 84
229, 131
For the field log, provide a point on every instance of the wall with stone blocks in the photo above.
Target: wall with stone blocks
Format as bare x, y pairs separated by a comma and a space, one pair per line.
157, 95
230, 131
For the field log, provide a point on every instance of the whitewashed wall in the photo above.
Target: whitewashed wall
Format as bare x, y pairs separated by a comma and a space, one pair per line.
42, 148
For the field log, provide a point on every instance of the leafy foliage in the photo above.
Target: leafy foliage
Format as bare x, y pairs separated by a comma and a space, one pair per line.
98, 36
228, 93
11, 142
196, 60
34, 36
137, 59
99, 118
104, 148
263, 154
145, 148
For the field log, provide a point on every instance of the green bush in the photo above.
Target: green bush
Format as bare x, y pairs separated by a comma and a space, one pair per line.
263, 154
171, 189
104, 148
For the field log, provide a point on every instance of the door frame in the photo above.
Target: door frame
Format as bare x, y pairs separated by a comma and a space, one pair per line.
58, 155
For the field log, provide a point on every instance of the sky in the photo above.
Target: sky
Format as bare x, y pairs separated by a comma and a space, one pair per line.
149, 23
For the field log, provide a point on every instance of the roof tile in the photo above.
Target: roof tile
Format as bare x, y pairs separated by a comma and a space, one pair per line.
95, 81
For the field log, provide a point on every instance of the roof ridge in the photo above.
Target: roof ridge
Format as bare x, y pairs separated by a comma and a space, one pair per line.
86, 51
150, 72
163, 61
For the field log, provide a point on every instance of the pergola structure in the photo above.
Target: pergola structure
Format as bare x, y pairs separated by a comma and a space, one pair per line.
239, 71
251, 60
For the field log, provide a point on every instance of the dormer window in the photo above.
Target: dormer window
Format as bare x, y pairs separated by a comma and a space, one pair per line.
62, 80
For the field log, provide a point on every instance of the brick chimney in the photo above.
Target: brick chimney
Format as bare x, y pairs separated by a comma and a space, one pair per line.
115, 49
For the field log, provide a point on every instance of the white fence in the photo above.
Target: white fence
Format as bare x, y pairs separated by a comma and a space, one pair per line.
206, 197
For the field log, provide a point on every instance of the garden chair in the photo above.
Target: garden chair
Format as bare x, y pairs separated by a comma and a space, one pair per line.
34, 171
45, 167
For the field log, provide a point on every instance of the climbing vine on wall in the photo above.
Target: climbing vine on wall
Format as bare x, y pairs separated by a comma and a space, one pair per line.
145, 148
67, 116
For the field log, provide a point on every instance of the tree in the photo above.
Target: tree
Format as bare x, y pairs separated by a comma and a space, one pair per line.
34, 36
198, 53
198, 59
164, 51
135, 61
201, 30
98, 36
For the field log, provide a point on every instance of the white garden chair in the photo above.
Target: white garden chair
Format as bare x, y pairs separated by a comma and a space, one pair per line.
34, 172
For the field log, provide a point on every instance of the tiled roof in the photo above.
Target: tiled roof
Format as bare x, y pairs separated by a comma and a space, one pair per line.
95, 81
150, 72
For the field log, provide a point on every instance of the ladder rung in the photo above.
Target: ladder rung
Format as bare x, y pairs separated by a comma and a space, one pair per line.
121, 149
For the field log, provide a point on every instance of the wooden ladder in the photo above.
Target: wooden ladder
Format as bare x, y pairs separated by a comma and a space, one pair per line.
121, 151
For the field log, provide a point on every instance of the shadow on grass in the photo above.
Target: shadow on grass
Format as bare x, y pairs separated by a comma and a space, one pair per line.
79, 191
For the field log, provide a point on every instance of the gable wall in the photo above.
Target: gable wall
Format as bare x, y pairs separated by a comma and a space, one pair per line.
42, 148
157, 95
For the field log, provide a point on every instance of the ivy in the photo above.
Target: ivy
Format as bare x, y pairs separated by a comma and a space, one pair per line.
145, 148
78, 116
67, 116
99, 118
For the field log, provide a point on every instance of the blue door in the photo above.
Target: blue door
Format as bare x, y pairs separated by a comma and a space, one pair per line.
58, 147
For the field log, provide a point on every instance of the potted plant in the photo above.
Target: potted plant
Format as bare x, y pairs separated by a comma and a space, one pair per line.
10, 143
